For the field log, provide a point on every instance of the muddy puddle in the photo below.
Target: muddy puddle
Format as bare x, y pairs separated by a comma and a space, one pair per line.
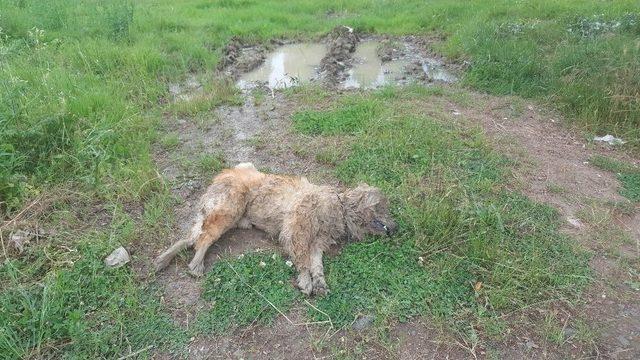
293, 64
287, 66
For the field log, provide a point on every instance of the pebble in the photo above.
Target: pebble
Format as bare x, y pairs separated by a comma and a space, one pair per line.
117, 258
363, 322
623, 341
569, 332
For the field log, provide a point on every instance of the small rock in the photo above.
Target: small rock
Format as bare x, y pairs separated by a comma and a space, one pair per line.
576, 223
531, 345
238, 354
623, 341
117, 258
363, 322
569, 332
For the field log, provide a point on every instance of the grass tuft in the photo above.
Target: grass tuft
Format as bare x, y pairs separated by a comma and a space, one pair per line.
352, 116
628, 175
246, 290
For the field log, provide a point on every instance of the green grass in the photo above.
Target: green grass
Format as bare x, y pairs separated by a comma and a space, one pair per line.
628, 175
210, 164
251, 289
349, 117
460, 227
84, 86
75, 306
450, 200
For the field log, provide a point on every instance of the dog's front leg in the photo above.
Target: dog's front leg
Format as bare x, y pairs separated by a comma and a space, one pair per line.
311, 272
318, 284
295, 242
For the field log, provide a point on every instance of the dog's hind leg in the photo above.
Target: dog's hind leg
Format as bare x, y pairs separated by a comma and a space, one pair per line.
223, 211
163, 260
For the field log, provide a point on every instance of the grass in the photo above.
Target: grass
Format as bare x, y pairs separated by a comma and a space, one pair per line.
67, 302
251, 289
461, 227
77, 79
349, 117
469, 250
628, 175
84, 86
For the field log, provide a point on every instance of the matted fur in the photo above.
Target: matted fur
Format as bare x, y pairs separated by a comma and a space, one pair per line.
306, 218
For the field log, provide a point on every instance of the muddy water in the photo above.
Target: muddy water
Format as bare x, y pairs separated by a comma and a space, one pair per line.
287, 66
368, 71
435, 71
293, 64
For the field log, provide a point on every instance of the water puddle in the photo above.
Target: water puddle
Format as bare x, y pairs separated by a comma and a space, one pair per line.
293, 64
287, 66
369, 71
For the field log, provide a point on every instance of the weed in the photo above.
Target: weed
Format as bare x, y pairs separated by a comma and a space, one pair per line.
628, 175
253, 288
556, 189
170, 141
119, 16
612, 165
350, 118
552, 330
329, 156
210, 163
630, 185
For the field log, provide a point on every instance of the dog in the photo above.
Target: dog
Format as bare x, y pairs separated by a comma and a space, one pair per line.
306, 218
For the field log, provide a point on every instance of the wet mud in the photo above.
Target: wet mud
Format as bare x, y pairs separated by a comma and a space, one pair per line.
343, 60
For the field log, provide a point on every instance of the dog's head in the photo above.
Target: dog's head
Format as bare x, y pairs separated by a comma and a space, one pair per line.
368, 212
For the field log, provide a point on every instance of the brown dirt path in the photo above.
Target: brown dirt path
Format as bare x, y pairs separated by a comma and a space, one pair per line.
558, 172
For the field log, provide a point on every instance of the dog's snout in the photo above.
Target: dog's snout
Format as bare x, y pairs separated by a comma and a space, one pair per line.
391, 228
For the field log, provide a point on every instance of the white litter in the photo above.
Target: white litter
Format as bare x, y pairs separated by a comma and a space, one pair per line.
610, 139
19, 239
117, 258
576, 223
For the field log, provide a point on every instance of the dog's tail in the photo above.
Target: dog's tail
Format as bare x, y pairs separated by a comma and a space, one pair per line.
163, 260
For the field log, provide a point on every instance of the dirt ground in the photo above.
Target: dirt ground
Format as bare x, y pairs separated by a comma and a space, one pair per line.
556, 171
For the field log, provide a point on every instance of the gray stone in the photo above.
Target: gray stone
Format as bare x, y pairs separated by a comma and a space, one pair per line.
569, 332
623, 341
531, 345
117, 258
363, 322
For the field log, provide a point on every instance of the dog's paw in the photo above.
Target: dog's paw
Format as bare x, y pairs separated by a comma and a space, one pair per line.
319, 286
304, 283
196, 269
